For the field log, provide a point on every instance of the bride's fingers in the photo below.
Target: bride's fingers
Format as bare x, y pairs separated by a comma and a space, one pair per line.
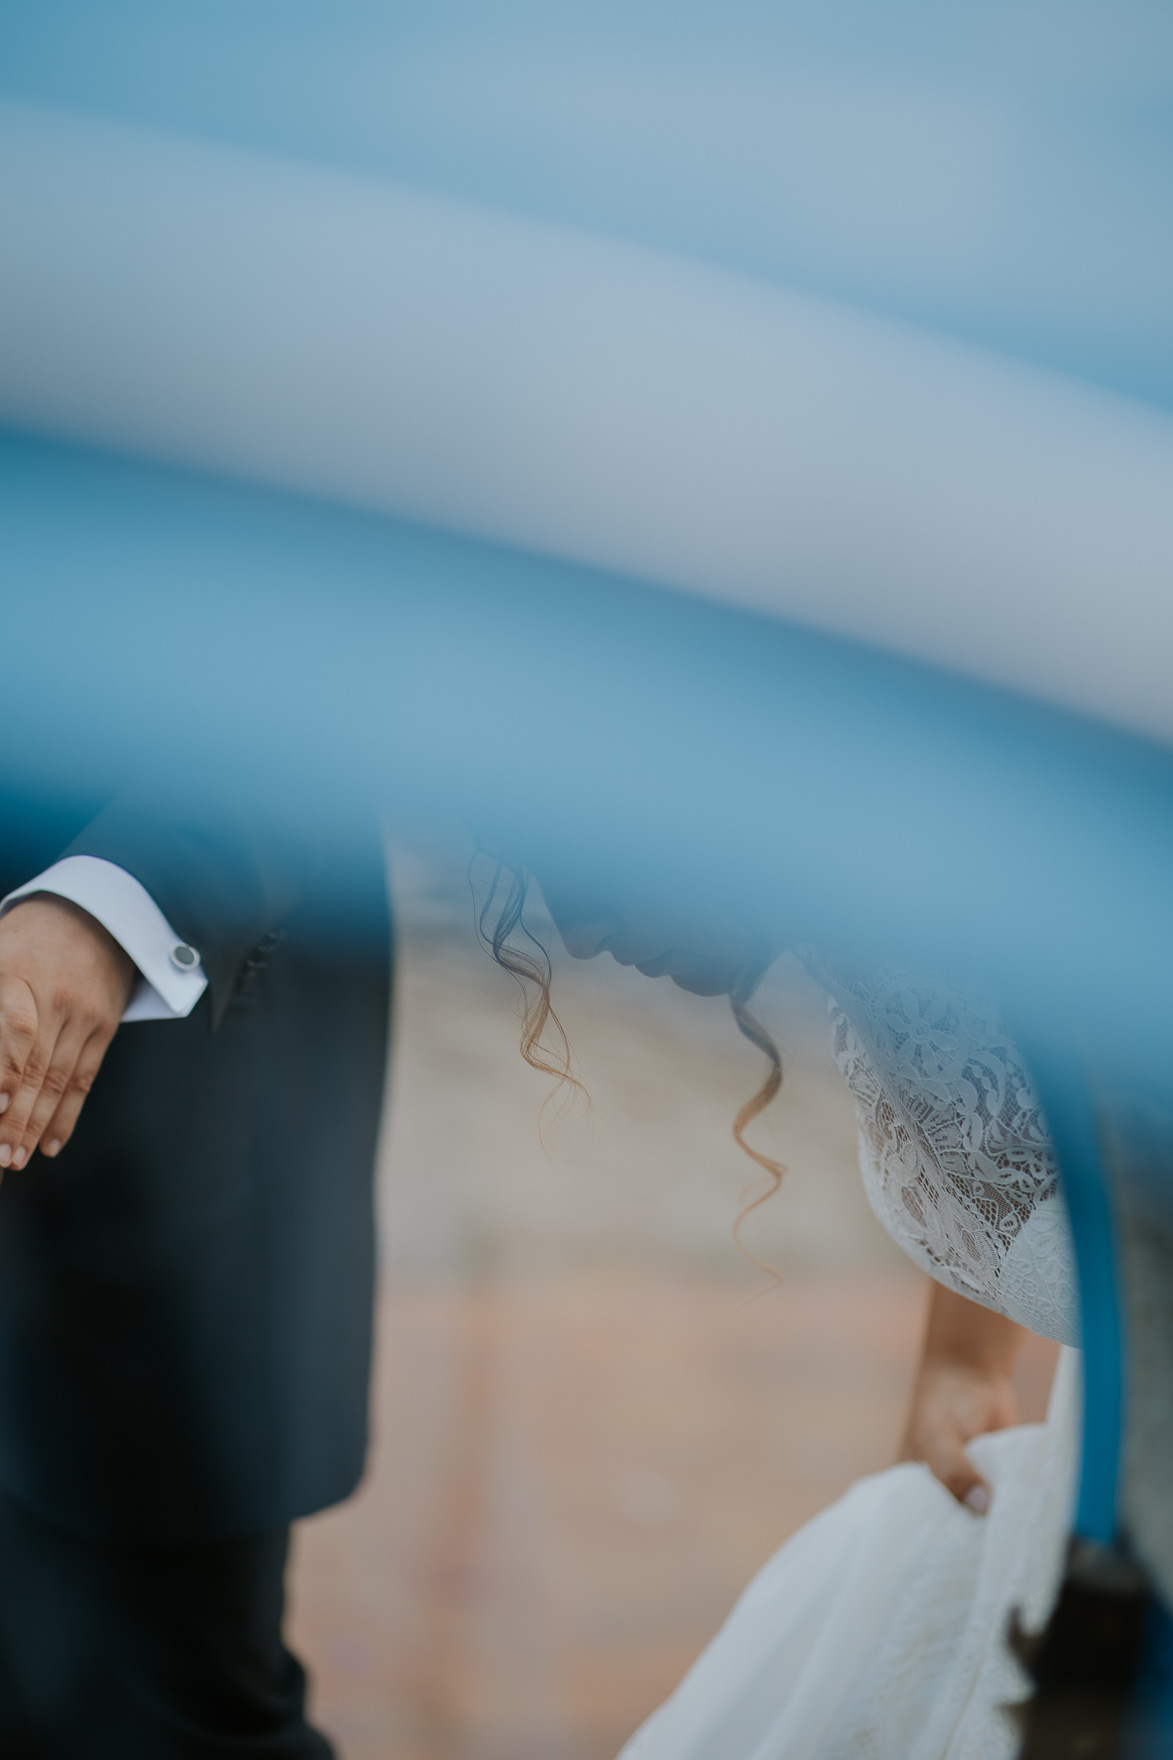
947, 1461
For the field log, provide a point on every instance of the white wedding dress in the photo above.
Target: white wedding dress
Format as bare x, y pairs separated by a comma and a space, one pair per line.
878, 1631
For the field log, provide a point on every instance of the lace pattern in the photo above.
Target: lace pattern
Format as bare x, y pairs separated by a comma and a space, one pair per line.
953, 1148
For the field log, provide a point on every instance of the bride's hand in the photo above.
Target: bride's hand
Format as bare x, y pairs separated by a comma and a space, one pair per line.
963, 1389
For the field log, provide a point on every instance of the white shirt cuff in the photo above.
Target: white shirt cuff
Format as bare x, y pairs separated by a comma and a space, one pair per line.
172, 980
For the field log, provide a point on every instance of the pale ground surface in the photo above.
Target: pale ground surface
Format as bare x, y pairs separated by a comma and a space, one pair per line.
587, 1435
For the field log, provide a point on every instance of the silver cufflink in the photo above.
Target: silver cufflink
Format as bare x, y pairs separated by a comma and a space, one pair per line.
185, 957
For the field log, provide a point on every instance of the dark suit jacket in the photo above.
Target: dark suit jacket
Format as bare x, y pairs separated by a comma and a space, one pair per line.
186, 1293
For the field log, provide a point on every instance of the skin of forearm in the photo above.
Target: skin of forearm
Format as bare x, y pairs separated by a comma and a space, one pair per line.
962, 1332
963, 1388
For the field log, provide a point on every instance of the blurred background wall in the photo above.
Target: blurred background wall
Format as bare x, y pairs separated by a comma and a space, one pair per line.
594, 1418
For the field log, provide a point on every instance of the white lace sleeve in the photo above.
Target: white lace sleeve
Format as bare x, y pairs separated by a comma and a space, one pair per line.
953, 1148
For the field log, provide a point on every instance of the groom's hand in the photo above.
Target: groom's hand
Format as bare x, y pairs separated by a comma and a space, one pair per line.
64, 983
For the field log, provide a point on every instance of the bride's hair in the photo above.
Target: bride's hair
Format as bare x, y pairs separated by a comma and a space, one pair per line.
752, 1029
544, 1044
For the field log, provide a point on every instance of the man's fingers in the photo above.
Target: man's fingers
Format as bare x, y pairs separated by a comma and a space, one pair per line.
948, 1462
26, 1050
18, 1035
62, 978
58, 1129
59, 1081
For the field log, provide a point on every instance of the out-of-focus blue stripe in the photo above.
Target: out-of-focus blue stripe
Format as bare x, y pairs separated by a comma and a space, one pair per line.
1072, 1123
853, 796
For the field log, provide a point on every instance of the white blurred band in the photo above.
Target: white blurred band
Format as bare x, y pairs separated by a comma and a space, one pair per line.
364, 342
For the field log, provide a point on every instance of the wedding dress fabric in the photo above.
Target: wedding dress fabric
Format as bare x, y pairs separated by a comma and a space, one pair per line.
953, 1148
878, 1631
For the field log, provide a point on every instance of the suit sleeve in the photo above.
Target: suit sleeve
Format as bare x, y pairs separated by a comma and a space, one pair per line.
222, 879
171, 976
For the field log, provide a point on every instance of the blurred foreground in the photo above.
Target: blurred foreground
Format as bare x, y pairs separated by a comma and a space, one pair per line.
588, 1435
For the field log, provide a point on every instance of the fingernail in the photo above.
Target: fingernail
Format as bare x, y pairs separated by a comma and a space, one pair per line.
4, 1099
5, 1154
977, 1498
19, 1159
52, 1147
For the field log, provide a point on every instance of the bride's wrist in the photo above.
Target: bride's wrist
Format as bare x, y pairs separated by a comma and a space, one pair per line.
964, 1336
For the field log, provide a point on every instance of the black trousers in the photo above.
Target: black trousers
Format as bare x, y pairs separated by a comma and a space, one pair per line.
111, 1652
